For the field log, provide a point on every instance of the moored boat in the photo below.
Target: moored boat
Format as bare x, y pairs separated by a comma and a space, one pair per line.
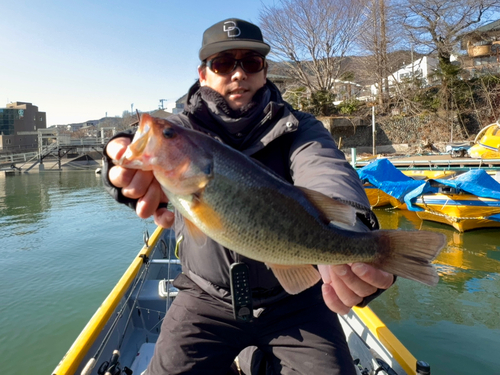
376, 197
487, 143
470, 201
427, 174
386, 184
121, 336
462, 211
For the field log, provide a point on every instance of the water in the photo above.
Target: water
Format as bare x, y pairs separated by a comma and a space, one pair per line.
456, 325
64, 243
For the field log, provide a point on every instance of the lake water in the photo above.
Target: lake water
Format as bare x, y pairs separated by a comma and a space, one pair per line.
64, 243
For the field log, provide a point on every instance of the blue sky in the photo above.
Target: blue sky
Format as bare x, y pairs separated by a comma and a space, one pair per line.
78, 60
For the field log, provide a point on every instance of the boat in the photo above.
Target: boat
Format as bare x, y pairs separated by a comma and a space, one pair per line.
376, 197
462, 211
465, 200
469, 201
427, 174
487, 143
121, 335
385, 184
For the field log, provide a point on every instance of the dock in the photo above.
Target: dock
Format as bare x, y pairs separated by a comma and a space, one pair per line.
434, 162
56, 154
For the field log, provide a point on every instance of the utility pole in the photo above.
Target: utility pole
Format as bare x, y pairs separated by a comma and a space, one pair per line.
161, 101
374, 132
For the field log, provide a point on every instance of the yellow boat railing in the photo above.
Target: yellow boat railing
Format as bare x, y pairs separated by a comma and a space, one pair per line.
87, 337
406, 360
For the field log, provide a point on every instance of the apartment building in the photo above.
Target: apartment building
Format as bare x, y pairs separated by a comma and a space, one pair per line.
19, 122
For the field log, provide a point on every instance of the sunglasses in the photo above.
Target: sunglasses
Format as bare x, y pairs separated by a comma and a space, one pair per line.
227, 64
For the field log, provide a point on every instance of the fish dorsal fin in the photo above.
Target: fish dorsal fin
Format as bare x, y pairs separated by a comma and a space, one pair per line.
332, 209
295, 279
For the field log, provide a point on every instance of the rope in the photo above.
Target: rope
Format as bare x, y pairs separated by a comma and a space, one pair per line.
448, 217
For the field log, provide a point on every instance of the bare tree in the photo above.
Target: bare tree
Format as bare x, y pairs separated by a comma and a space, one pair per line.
312, 37
382, 43
436, 26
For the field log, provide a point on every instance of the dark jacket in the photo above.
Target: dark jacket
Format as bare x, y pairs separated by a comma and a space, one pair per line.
293, 144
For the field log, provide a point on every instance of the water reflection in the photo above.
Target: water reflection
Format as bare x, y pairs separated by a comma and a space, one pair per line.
468, 292
25, 199
477, 250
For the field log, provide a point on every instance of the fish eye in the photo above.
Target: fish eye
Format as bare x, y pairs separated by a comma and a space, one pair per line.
169, 133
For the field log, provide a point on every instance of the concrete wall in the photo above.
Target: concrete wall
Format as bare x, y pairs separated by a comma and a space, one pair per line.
395, 133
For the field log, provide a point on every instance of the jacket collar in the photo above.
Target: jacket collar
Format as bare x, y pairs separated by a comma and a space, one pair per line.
277, 120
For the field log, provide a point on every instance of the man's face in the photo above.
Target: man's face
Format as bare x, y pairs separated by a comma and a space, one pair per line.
237, 87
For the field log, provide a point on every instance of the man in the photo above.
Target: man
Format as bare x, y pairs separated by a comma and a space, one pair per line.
235, 103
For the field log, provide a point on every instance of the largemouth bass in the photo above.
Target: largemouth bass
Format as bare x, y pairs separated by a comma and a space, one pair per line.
227, 196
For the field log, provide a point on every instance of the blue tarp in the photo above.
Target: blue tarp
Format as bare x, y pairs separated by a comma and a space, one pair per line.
476, 182
383, 175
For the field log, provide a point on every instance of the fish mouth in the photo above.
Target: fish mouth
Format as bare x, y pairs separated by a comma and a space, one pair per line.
137, 147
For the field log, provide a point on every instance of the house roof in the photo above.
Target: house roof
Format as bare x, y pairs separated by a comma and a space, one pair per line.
161, 113
489, 27
182, 99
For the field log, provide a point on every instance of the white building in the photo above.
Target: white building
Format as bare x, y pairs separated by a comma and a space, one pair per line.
422, 68
345, 90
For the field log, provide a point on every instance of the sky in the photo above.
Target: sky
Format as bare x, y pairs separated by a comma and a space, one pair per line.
83, 60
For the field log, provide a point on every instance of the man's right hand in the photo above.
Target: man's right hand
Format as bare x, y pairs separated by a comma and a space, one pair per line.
140, 185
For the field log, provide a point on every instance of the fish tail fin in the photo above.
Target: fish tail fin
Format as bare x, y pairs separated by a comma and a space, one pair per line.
409, 254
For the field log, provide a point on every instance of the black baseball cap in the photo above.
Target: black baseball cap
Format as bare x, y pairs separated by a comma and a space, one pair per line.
232, 33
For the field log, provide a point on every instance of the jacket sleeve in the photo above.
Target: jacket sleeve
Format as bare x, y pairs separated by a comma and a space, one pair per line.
317, 163
107, 164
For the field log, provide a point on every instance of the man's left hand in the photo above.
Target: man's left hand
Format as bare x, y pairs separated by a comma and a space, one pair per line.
346, 285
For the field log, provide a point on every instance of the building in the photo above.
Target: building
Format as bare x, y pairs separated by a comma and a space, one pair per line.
19, 123
346, 90
179, 104
483, 49
161, 113
422, 69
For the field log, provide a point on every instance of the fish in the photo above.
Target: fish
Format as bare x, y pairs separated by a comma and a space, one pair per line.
231, 198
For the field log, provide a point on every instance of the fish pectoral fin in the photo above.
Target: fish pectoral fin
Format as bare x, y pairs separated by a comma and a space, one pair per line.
332, 209
295, 279
206, 214
198, 236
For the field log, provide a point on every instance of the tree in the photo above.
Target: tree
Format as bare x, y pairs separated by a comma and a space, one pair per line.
436, 26
312, 37
376, 39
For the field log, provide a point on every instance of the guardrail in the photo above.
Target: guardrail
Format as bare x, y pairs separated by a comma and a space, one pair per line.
86, 143
18, 158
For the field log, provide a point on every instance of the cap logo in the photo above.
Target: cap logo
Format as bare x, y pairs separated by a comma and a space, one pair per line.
231, 29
